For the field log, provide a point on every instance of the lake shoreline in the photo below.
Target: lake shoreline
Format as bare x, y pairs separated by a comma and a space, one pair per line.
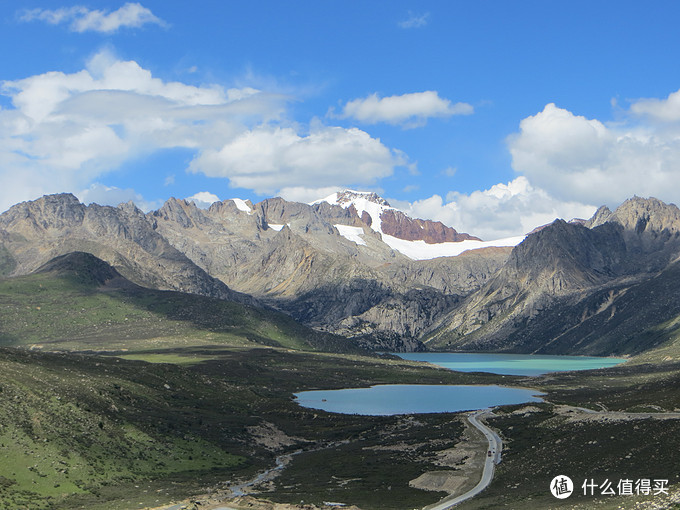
406, 399
527, 365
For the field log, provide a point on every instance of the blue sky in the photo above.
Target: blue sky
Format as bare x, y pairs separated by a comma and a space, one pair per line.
491, 116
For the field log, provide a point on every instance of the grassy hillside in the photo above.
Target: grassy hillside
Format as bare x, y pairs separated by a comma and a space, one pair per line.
79, 302
108, 433
182, 403
73, 427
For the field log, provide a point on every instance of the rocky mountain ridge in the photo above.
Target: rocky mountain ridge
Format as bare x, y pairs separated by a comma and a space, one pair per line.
300, 259
319, 263
38, 231
329, 265
563, 278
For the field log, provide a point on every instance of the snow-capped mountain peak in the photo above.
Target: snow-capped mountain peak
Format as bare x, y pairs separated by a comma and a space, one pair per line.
368, 205
349, 197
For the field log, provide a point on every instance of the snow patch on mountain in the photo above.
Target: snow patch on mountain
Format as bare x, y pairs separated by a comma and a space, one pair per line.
363, 201
351, 233
420, 250
374, 205
241, 205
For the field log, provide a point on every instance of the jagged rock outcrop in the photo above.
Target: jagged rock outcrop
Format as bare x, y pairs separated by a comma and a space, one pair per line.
558, 269
396, 223
123, 236
376, 213
306, 217
347, 197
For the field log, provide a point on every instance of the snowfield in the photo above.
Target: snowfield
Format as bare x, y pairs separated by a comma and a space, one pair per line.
420, 250
241, 205
352, 233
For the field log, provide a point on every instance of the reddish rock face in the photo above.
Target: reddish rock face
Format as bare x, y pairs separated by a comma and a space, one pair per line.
397, 224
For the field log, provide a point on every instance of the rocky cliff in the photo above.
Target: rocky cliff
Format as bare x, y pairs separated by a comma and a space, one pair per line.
396, 223
559, 277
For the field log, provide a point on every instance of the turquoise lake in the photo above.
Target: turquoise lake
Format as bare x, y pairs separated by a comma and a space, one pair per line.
391, 399
394, 399
510, 364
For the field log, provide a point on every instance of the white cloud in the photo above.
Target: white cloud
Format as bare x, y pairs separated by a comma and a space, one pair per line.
664, 110
203, 199
570, 164
415, 20
578, 159
410, 110
269, 159
306, 195
504, 210
82, 19
64, 131
55, 93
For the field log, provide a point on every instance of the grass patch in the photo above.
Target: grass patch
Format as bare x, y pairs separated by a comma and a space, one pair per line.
374, 470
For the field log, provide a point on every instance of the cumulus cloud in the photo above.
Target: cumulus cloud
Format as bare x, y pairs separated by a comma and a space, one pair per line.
270, 159
82, 19
203, 199
410, 110
578, 159
664, 110
64, 131
504, 210
569, 165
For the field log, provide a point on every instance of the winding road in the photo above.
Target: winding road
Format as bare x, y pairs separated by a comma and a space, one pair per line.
495, 447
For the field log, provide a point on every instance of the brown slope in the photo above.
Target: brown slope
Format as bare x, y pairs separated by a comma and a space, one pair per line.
397, 224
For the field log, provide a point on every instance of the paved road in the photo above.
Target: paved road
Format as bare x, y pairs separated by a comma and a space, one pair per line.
495, 447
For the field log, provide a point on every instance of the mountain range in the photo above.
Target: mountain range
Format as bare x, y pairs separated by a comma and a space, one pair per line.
352, 265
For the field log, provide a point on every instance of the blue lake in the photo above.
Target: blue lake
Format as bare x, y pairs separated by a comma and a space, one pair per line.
391, 399
421, 398
510, 364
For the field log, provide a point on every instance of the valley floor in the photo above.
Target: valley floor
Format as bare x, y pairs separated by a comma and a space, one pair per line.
105, 432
